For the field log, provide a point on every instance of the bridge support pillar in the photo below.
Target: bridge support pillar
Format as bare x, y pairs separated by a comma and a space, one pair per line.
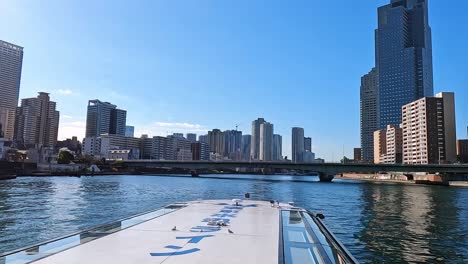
325, 177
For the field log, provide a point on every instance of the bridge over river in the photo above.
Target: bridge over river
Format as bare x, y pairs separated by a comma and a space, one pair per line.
326, 171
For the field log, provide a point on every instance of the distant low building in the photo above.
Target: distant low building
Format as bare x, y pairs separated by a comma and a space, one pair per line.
184, 155
462, 150
73, 144
123, 154
357, 154
99, 147
308, 157
216, 157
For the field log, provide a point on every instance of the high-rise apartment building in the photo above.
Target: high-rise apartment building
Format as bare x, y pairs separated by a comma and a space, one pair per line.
158, 148
11, 63
216, 141
182, 147
204, 139
192, 137
368, 108
277, 147
380, 145
429, 135
245, 147
403, 57
37, 121
200, 151
266, 141
129, 131
308, 144
255, 143
178, 135
232, 144
388, 145
297, 144
105, 118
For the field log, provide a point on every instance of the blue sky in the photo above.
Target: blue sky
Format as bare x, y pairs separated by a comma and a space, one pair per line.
194, 65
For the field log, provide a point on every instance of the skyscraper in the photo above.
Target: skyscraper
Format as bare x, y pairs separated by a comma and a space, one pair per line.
277, 147
232, 144
105, 118
37, 121
308, 144
403, 57
216, 141
368, 108
255, 144
266, 141
245, 148
297, 144
11, 63
118, 122
403, 68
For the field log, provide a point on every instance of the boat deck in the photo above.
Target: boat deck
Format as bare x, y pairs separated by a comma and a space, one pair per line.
255, 227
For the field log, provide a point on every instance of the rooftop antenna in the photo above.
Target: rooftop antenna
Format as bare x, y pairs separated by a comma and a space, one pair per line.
237, 126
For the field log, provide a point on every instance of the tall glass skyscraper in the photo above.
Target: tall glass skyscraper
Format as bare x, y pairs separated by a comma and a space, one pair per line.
403, 67
403, 57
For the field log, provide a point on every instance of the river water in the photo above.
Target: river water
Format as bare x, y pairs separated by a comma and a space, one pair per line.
378, 223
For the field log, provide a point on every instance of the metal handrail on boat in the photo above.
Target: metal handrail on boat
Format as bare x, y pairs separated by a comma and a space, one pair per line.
337, 244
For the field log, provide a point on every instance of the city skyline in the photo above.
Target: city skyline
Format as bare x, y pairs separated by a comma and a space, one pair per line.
315, 111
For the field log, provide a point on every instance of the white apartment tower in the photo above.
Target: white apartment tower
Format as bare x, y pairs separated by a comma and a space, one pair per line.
429, 135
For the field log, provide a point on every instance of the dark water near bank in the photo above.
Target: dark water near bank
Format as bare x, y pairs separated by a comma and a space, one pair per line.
378, 223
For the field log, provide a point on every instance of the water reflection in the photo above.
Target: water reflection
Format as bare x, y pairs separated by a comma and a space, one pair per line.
411, 224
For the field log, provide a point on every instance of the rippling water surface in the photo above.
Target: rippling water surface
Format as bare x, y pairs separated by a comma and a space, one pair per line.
378, 223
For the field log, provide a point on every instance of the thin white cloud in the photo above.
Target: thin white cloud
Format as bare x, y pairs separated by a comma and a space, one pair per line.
167, 128
179, 125
67, 117
65, 91
70, 129
118, 96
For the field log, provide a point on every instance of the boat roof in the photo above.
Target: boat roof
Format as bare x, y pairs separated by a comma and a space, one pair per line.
209, 231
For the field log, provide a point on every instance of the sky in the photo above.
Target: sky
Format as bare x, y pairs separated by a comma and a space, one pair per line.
194, 65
